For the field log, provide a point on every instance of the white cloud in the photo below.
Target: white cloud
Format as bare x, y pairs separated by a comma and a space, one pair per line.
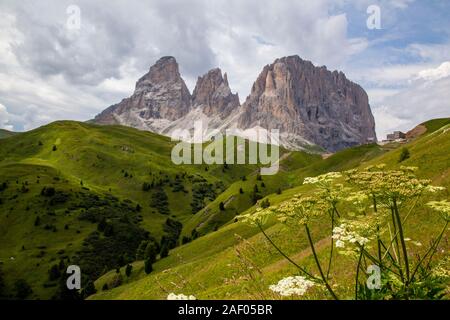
435, 73
48, 73
402, 4
430, 52
421, 101
5, 118
75, 75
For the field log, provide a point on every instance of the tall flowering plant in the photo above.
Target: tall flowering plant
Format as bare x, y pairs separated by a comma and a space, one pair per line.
375, 204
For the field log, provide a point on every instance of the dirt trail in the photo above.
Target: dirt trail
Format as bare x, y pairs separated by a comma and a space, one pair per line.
226, 202
319, 245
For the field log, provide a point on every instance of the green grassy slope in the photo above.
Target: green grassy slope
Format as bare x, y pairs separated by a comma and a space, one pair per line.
84, 162
236, 262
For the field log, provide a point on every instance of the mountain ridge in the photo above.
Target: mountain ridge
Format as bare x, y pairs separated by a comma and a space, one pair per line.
310, 105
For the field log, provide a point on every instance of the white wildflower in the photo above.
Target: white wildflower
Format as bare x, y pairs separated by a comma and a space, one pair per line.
443, 207
173, 296
258, 217
289, 286
410, 169
340, 244
324, 178
310, 180
434, 189
342, 234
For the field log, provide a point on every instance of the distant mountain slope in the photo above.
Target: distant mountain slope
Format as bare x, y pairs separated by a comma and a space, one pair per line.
5, 133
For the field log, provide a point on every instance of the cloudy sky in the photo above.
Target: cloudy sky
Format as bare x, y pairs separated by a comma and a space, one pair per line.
50, 70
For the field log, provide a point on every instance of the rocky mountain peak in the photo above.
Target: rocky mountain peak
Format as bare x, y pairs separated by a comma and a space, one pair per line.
213, 94
160, 96
309, 103
164, 70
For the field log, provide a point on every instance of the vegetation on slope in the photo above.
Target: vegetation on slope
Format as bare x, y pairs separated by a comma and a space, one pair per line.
81, 193
241, 264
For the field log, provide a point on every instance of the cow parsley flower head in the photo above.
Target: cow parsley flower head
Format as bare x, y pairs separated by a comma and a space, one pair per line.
443, 207
324, 178
289, 286
299, 209
258, 217
173, 296
388, 185
434, 189
350, 235
442, 269
359, 199
344, 235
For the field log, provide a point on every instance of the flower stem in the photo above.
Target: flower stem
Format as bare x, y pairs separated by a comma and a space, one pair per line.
318, 264
284, 255
402, 241
332, 245
431, 250
357, 273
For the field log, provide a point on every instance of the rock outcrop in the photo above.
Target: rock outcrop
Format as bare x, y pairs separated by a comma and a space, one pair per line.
213, 94
161, 96
311, 103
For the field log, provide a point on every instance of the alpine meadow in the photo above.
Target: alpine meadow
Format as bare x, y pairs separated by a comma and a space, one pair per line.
244, 158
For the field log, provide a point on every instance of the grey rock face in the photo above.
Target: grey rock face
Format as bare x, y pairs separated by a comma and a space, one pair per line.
212, 93
297, 98
159, 94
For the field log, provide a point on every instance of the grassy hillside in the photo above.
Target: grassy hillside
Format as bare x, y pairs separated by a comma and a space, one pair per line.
103, 175
5, 133
237, 262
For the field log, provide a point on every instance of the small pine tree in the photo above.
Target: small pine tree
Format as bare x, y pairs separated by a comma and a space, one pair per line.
54, 148
105, 287
146, 186
221, 206
241, 191
279, 191
37, 221
54, 273
164, 251
89, 289
404, 155
151, 251
22, 289
102, 225
128, 270
148, 266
